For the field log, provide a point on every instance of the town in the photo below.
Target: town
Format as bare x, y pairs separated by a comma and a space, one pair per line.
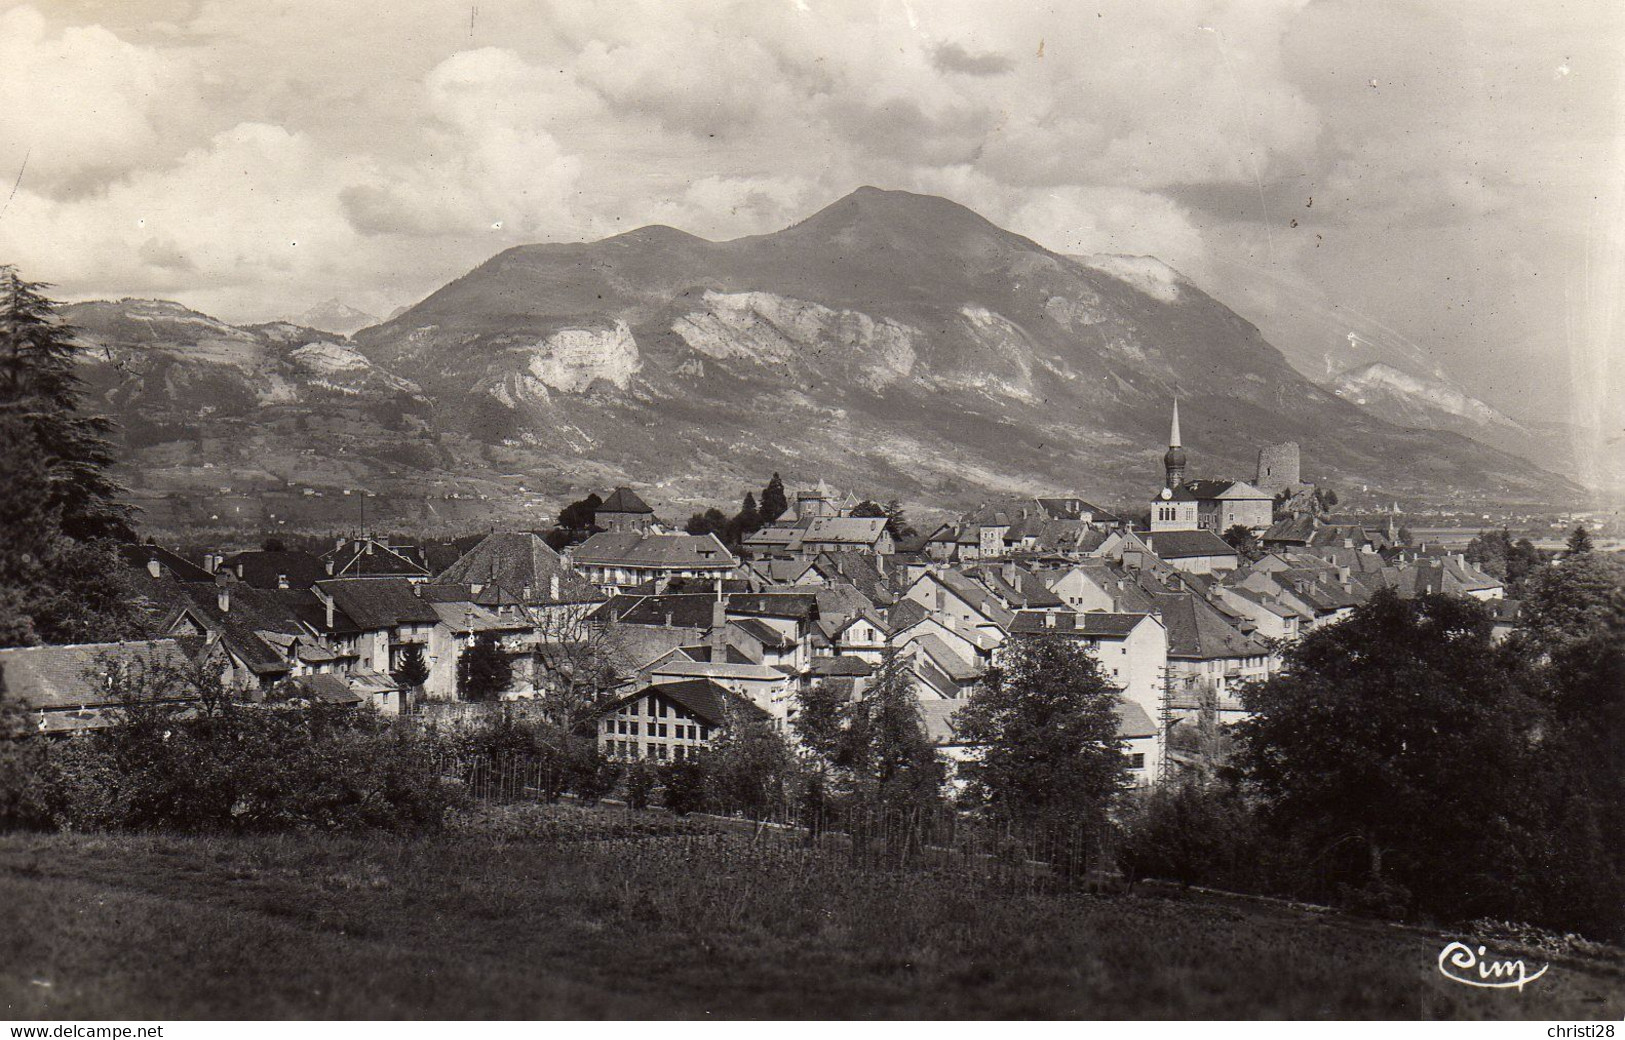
1180, 616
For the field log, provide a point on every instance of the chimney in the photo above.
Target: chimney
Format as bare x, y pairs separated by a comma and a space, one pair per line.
1049, 619
1343, 575
524, 593
327, 604
330, 568
155, 568
222, 597
338, 543
369, 544
281, 581
671, 620
239, 571
210, 562
719, 631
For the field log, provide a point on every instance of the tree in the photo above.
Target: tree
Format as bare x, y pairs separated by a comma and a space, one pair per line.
751, 767
40, 388
685, 783
886, 752
483, 670
1045, 721
274, 545
773, 503
712, 521
640, 779
897, 524
1396, 744
60, 576
1246, 544
1569, 601
1579, 541
578, 516
412, 671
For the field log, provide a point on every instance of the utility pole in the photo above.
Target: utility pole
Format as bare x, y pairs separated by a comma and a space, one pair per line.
1165, 727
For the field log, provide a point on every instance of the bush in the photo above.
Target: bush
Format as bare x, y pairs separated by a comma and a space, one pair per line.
685, 782
641, 779
237, 769
592, 775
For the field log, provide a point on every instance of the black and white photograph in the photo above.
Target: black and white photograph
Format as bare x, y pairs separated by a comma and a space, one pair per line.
562, 511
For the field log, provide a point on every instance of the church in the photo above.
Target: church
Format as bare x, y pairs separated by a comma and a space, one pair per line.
1205, 505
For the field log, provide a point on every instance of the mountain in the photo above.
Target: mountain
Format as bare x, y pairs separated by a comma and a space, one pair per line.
898, 345
891, 341
1407, 399
1432, 403
336, 316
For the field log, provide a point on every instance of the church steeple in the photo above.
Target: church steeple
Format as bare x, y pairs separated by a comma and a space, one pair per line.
1173, 463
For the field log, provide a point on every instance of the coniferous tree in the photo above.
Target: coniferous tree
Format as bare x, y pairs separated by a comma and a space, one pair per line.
773, 503
1579, 542
483, 670
412, 671
60, 577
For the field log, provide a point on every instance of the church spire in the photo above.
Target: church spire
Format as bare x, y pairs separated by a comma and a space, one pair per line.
1173, 463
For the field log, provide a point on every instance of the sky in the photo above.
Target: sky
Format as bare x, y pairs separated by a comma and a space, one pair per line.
1438, 184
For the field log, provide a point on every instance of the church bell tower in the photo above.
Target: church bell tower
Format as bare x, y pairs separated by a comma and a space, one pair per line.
1173, 463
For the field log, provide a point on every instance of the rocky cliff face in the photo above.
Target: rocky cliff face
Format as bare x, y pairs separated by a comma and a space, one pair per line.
896, 344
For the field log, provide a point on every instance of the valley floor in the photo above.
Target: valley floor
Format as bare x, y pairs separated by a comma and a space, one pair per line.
565, 912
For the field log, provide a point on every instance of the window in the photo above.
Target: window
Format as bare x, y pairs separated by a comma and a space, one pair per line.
665, 712
660, 752
662, 730
632, 728
705, 732
677, 753
1137, 760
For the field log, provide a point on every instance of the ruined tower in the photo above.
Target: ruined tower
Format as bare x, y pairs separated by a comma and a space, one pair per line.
1278, 467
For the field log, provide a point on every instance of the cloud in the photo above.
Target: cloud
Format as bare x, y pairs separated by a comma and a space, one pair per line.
951, 57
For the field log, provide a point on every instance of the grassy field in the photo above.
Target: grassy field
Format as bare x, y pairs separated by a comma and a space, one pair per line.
538, 912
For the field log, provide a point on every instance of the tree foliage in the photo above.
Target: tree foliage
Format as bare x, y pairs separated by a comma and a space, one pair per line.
1396, 742
483, 670
60, 577
1246, 544
773, 503
412, 670
1579, 541
1046, 722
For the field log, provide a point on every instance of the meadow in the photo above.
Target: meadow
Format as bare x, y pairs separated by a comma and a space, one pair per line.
536, 911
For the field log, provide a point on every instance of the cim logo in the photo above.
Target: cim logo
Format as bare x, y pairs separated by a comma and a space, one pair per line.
1459, 962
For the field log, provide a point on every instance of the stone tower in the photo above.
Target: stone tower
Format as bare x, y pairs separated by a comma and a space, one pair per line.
1173, 463
1278, 467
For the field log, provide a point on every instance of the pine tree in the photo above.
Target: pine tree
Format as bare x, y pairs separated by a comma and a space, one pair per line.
412, 670
40, 391
60, 577
773, 503
1579, 542
483, 670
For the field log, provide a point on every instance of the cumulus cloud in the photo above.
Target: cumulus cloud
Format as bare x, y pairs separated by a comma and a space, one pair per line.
952, 57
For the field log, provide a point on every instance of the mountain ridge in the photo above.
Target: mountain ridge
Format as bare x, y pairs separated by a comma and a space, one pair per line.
894, 343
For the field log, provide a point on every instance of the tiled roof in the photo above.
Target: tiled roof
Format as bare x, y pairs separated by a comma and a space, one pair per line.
171, 563
518, 561
375, 603
1133, 722
832, 666
1196, 630
1094, 623
708, 701
625, 500
1181, 545
63, 677
636, 549
263, 568
686, 610
845, 530
762, 632
369, 557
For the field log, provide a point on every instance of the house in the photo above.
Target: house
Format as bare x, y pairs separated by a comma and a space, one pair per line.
524, 566
71, 689
1135, 730
1132, 648
670, 721
624, 511
375, 619
268, 569
766, 687
964, 606
160, 562
1196, 552
862, 534
615, 561
1210, 505
368, 557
